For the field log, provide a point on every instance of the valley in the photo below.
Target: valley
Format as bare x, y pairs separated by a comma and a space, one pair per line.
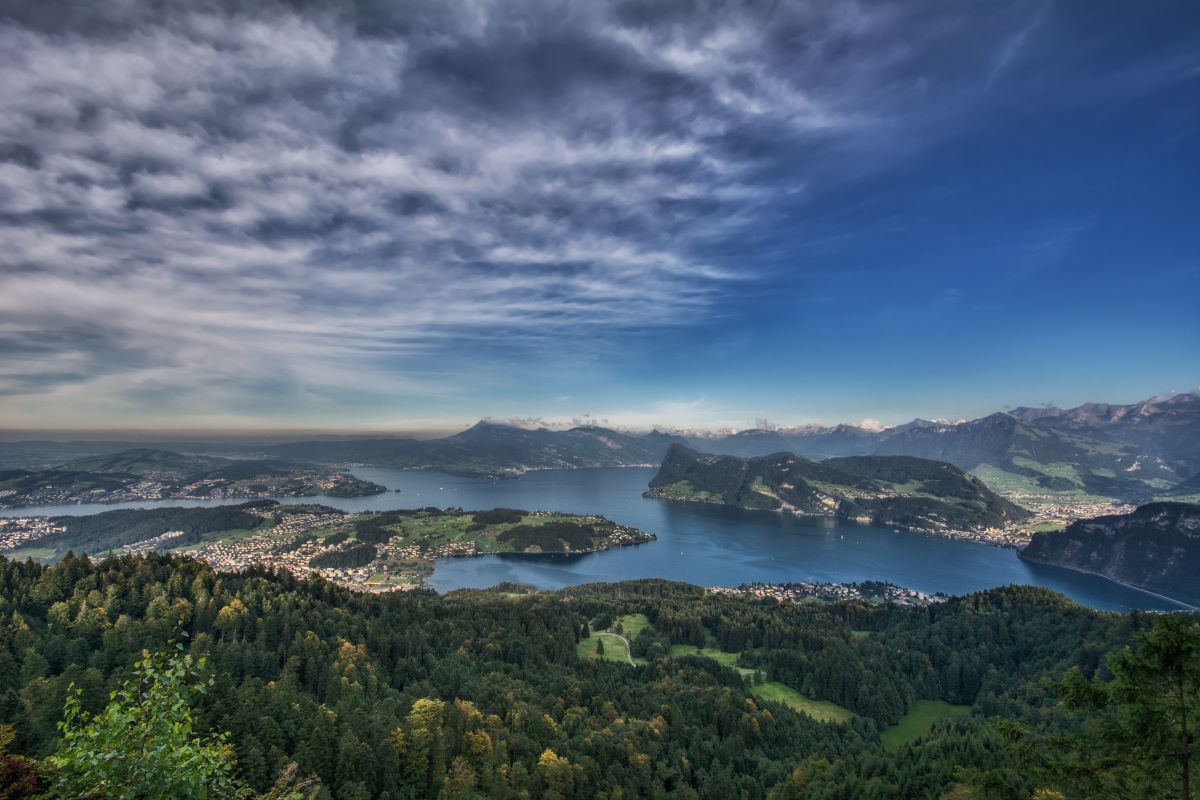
700, 543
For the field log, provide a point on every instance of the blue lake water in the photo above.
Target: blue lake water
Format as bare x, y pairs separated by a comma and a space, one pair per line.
701, 544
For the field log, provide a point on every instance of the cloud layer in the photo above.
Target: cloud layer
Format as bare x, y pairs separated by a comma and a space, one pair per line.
222, 212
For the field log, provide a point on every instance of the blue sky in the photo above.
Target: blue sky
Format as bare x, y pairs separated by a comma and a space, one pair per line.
405, 215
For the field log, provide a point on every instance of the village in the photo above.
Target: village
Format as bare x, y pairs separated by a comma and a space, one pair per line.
18, 531
809, 592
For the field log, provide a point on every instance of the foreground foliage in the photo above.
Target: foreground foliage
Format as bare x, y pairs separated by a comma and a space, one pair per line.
483, 694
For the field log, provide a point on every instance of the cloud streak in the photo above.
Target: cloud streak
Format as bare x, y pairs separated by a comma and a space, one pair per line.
208, 210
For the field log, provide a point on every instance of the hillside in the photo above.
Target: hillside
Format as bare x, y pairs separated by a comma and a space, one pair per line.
148, 474
901, 491
1162, 428
729, 700
489, 449
1156, 547
811, 442
1133, 452
1049, 459
1184, 488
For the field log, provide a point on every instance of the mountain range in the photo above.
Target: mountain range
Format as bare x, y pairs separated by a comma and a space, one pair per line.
489, 448
1133, 452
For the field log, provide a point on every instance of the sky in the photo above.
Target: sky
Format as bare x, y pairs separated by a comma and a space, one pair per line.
400, 215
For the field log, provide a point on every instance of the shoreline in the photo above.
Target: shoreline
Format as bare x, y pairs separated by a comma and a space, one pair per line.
227, 500
1182, 604
947, 533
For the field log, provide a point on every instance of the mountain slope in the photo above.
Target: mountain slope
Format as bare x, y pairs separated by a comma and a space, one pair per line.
1163, 429
1189, 487
811, 442
490, 448
147, 474
1056, 460
1156, 547
1132, 451
902, 491
309, 672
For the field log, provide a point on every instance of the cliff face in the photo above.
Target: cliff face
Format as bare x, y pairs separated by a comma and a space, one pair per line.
898, 490
1156, 547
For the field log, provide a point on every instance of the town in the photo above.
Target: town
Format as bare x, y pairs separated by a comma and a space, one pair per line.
872, 592
18, 531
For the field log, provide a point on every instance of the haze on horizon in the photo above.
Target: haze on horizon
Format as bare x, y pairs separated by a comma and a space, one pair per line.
406, 216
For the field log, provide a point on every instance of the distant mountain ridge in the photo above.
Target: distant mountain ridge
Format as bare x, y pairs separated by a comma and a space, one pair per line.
150, 474
1134, 452
887, 490
1156, 547
489, 448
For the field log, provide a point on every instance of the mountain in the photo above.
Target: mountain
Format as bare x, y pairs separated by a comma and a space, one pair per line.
1054, 459
1165, 431
811, 442
146, 461
148, 474
1156, 547
1189, 487
1133, 451
489, 448
1034, 413
897, 490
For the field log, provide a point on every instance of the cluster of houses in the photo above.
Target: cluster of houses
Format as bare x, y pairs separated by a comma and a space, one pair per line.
151, 545
263, 548
18, 531
810, 591
1052, 509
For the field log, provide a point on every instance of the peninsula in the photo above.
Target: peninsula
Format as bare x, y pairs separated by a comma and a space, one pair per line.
900, 491
373, 551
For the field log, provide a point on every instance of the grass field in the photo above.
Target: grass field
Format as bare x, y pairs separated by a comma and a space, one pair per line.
919, 721
681, 490
614, 648
631, 625
722, 657
36, 553
222, 537
432, 531
820, 710
1003, 481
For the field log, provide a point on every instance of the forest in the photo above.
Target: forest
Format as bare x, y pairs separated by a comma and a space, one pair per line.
485, 693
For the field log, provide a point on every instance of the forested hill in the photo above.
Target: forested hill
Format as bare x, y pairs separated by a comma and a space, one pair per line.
150, 474
497, 694
1155, 547
889, 490
489, 448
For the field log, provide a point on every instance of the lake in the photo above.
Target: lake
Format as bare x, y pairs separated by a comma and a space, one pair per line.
700, 544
